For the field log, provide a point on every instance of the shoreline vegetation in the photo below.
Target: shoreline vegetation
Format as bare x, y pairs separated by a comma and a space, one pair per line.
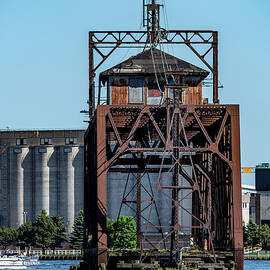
46, 232
256, 241
257, 256
49, 234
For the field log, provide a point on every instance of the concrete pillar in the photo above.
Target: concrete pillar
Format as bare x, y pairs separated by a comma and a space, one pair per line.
67, 202
28, 178
16, 186
78, 164
4, 184
42, 176
53, 164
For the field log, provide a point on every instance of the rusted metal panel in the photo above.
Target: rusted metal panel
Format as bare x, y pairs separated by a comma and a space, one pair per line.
119, 95
192, 95
95, 191
119, 89
237, 191
101, 185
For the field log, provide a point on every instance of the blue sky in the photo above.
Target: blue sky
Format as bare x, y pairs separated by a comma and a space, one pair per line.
44, 59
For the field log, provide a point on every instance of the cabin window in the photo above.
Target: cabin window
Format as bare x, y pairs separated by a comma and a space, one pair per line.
119, 81
154, 94
135, 92
170, 93
67, 150
17, 150
21, 141
45, 141
42, 150
71, 140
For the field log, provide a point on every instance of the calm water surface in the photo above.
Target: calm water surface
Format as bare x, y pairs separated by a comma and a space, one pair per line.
53, 265
254, 265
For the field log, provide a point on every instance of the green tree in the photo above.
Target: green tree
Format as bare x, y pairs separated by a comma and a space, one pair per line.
253, 236
76, 237
45, 231
122, 232
60, 232
265, 236
7, 236
26, 234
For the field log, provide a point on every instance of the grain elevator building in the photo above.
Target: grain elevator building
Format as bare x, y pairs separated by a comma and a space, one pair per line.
40, 169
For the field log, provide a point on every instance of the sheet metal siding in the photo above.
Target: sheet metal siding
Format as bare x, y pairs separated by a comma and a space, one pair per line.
193, 95
119, 95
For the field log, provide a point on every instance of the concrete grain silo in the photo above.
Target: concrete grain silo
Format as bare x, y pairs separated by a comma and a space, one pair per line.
53, 164
78, 179
41, 170
16, 184
121, 187
42, 179
28, 187
67, 202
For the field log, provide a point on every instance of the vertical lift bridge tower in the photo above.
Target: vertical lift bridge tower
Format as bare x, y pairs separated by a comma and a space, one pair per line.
204, 137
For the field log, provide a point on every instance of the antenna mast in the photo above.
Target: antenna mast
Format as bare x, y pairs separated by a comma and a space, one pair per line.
151, 19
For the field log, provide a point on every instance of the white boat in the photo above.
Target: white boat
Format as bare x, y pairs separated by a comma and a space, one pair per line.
30, 260
12, 263
15, 262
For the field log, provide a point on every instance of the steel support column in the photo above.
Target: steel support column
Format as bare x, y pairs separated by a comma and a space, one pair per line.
237, 191
215, 68
101, 185
138, 208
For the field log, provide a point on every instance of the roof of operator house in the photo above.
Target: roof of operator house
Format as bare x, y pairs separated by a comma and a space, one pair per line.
154, 61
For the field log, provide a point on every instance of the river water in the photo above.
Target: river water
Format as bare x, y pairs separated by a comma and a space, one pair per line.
254, 265
53, 265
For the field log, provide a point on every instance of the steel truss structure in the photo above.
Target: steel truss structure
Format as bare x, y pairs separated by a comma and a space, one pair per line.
118, 137
155, 143
104, 43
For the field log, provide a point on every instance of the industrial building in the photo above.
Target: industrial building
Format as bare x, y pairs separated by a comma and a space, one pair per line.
256, 199
245, 208
260, 201
40, 169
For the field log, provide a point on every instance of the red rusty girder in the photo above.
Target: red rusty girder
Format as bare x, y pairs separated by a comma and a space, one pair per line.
214, 158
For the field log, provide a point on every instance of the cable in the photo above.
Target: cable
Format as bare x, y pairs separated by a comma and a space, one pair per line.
154, 65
